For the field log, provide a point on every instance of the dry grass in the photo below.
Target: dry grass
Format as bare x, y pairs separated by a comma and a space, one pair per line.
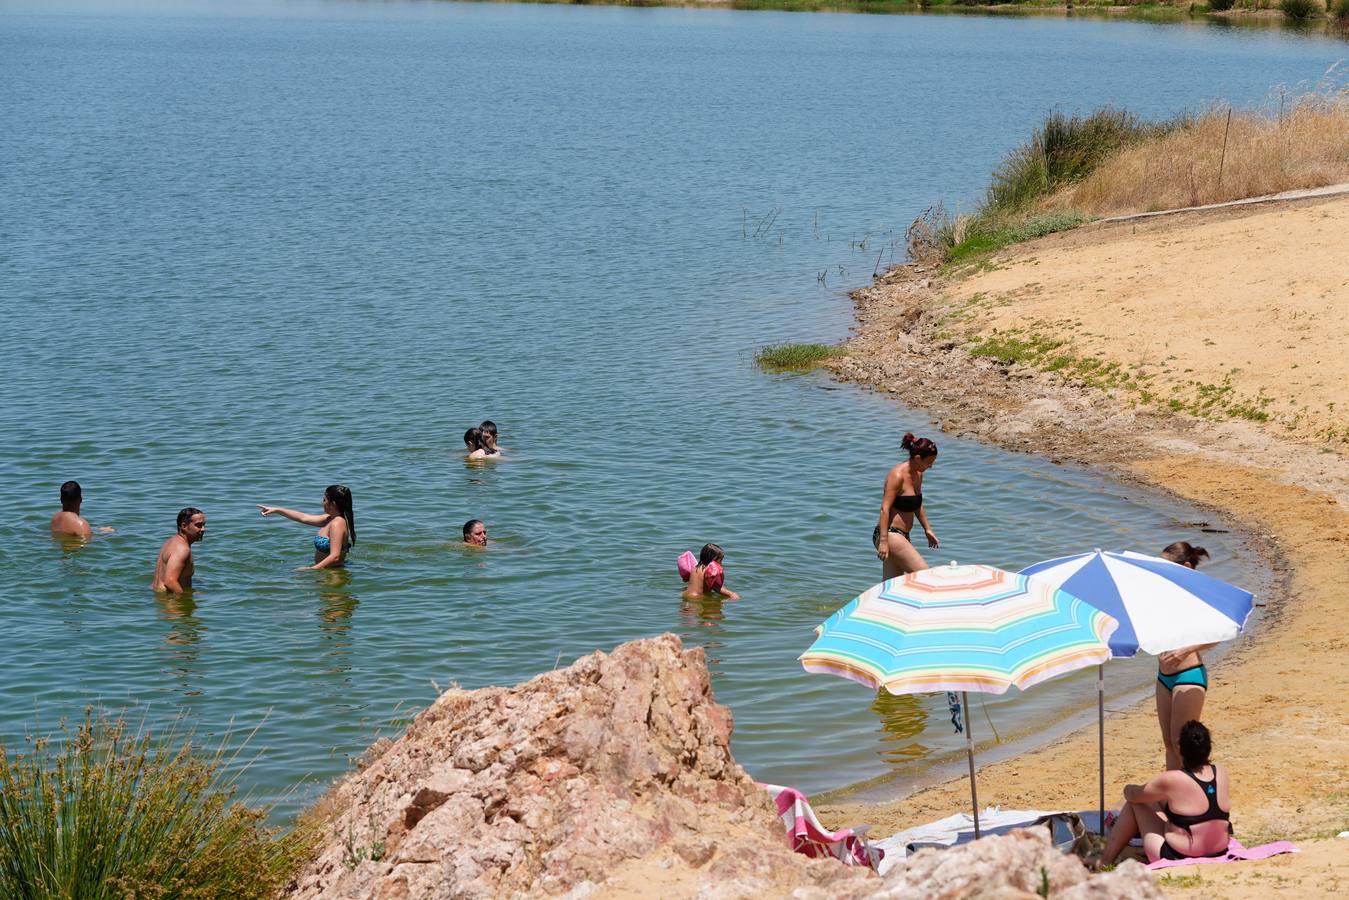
1305, 145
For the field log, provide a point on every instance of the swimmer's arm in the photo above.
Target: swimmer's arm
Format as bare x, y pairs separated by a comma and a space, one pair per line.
295, 516
927, 529
173, 569
1152, 792
728, 593
887, 512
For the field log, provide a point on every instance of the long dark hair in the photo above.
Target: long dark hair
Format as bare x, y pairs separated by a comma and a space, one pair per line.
1195, 744
473, 439
918, 447
710, 553
339, 495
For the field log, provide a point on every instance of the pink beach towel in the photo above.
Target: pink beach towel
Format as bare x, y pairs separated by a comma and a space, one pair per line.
1235, 852
812, 839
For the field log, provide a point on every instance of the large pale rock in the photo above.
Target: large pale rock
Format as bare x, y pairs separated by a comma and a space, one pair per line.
1019, 865
621, 760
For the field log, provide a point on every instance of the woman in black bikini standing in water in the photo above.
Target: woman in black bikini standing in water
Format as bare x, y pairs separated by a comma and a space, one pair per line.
901, 503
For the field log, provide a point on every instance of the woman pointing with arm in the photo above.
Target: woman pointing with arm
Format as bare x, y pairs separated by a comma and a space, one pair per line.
336, 525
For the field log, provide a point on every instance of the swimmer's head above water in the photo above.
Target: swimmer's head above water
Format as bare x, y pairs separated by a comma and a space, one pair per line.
337, 502
71, 496
191, 524
475, 533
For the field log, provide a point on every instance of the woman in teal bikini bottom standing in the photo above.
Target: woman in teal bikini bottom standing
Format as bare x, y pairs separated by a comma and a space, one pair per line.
1182, 680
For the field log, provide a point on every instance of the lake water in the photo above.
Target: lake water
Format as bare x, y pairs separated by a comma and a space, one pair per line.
245, 255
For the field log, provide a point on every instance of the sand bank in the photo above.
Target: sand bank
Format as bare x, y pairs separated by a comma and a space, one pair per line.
1248, 307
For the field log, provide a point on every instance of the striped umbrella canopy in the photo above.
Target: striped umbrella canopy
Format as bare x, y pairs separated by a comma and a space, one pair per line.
959, 628
1160, 605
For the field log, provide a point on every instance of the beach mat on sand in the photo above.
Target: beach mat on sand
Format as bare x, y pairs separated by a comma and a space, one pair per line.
959, 829
1235, 853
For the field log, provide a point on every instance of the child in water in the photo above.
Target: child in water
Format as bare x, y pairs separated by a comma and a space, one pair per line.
704, 575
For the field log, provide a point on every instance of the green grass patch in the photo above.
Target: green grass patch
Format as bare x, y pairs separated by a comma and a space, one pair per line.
979, 243
1299, 9
798, 357
107, 812
1192, 880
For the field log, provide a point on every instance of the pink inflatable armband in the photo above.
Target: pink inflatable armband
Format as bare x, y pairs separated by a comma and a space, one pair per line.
713, 576
686, 563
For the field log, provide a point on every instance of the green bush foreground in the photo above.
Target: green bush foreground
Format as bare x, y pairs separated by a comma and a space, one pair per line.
106, 813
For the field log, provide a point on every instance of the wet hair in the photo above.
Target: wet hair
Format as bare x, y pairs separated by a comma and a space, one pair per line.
185, 515
470, 525
71, 495
488, 427
340, 496
1195, 744
710, 553
1185, 554
473, 439
918, 447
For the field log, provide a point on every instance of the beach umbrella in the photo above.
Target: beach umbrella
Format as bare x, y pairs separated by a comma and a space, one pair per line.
960, 628
1160, 605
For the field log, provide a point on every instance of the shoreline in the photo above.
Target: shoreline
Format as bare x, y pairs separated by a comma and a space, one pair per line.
1285, 493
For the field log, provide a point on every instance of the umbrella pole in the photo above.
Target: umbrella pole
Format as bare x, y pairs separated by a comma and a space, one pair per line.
969, 751
1100, 743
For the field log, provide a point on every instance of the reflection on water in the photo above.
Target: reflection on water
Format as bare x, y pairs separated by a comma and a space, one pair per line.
903, 717
337, 606
182, 641
706, 611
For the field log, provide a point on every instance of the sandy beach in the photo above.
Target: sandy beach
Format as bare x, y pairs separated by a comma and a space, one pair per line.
1200, 354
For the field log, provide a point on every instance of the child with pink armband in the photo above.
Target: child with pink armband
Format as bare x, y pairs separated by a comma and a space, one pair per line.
705, 574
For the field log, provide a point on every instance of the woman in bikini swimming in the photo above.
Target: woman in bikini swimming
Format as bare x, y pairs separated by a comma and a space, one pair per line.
901, 503
1153, 810
336, 525
1182, 680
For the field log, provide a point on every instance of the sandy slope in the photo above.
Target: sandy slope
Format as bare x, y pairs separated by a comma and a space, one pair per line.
1264, 291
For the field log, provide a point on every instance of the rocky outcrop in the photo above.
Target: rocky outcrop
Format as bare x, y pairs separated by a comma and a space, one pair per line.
1019, 865
619, 762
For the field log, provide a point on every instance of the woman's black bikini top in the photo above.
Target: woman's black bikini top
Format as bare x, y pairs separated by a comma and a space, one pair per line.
1210, 789
907, 503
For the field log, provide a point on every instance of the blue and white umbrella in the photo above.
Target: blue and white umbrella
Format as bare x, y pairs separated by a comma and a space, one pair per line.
1160, 605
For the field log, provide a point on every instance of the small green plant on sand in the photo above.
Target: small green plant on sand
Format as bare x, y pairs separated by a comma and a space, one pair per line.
105, 812
799, 357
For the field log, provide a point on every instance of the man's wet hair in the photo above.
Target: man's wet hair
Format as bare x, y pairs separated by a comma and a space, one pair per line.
186, 513
71, 495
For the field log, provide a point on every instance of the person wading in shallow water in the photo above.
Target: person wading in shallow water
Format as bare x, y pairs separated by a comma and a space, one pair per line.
901, 503
1182, 679
69, 522
174, 567
336, 525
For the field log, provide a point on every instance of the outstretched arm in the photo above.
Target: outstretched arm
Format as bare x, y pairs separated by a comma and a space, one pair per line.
727, 593
303, 518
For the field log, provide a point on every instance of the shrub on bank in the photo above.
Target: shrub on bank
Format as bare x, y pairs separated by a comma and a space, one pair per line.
113, 814
1341, 11
1219, 5
801, 357
1298, 9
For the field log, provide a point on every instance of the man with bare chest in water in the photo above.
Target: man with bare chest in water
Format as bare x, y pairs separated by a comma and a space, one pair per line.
174, 568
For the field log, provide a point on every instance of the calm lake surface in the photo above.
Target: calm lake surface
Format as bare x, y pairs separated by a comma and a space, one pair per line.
243, 256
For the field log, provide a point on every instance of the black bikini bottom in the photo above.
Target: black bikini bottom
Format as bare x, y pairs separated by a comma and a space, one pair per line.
876, 534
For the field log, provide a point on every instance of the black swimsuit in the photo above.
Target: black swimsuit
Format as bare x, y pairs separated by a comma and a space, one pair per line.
1212, 814
903, 503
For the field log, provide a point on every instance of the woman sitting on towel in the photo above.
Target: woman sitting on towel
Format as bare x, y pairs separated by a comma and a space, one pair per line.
1180, 814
